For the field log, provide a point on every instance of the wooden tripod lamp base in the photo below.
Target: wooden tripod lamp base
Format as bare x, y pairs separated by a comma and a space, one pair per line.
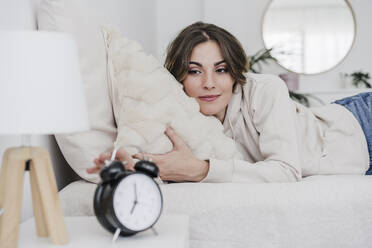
46, 204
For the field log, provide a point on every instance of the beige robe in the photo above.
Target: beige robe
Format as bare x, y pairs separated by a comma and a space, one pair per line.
283, 141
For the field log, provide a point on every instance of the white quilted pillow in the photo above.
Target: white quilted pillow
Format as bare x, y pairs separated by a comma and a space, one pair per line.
146, 97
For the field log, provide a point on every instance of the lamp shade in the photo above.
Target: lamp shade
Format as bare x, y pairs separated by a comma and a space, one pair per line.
41, 90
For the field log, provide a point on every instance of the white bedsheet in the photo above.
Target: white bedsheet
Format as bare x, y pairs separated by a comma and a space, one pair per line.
320, 211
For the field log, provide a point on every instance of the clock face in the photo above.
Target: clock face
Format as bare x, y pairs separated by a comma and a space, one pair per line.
137, 202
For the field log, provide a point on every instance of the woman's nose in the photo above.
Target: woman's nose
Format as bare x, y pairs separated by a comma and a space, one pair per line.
209, 81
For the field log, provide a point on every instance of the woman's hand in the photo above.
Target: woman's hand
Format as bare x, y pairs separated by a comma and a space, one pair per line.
121, 155
180, 164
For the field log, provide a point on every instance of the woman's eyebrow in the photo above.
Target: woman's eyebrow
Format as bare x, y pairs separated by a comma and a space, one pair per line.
195, 63
199, 64
220, 62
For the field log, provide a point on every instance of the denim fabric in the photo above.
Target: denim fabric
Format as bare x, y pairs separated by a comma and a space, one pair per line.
361, 107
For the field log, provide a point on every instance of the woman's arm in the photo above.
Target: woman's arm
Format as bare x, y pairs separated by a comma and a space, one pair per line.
178, 165
224, 171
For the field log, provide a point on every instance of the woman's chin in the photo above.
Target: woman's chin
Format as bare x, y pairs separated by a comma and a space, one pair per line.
208, 112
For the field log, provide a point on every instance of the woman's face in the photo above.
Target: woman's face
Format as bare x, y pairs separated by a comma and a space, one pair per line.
208, 79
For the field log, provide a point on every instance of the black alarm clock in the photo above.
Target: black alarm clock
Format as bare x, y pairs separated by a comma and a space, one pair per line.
128, 201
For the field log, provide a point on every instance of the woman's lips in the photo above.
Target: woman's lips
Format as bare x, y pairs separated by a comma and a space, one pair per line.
208, 98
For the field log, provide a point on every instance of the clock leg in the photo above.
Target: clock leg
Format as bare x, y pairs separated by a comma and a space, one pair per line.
11, 190
48, 193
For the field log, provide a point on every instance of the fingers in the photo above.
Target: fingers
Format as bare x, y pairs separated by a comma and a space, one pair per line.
123, 155
103, 157
98, 163
174, 138
144, 156
150, 157
93, 170
138, 156
96, 168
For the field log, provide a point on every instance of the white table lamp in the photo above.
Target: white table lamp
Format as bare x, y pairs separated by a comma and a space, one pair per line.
41, 92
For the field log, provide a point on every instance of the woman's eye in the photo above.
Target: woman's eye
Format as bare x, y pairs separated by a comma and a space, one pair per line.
222, 70
193, 71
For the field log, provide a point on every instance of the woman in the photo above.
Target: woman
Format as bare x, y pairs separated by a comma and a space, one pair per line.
281, 140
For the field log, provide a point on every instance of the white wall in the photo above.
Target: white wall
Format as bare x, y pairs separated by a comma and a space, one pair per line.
135, 18
172, 16
17, 14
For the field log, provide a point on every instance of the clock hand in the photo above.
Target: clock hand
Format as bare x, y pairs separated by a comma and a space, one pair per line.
135, 192
134, 205
135, 198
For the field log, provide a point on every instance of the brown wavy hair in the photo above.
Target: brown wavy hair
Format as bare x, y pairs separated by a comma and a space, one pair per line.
180, 49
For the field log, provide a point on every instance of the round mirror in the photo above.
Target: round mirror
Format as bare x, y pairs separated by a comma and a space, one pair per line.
309, 36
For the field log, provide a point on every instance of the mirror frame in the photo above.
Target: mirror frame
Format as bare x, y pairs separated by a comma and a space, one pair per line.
324, 71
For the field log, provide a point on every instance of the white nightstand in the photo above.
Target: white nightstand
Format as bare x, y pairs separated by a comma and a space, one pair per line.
173, 232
